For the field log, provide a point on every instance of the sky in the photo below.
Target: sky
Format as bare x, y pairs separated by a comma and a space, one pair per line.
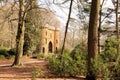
61, 11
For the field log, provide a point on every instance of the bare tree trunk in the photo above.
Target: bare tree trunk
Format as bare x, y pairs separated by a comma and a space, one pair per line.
99, 29
93, 37
66, 28
117, 29
20, 35
23, 9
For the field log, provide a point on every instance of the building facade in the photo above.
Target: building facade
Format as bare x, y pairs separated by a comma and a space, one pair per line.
49, 39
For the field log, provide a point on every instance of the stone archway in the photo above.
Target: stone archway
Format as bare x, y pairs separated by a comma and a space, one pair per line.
50, 45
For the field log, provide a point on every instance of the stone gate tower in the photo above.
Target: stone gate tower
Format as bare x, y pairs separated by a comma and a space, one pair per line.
50, 39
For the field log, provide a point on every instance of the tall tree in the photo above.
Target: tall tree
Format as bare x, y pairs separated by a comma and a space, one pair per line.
20, 34
24, 7
93, 37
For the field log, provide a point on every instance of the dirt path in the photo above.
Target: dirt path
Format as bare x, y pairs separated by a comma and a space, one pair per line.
25, 60
21, 73
25, 72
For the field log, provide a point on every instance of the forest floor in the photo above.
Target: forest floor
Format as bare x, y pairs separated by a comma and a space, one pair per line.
27, 70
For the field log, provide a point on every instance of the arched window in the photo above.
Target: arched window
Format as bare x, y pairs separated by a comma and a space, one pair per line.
56, 41
56, 48
46, 40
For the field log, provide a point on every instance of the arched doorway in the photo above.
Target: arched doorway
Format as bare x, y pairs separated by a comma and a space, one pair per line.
43, 50
50, 47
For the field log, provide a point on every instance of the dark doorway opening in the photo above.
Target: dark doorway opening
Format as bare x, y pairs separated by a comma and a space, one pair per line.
43, 50
50, 47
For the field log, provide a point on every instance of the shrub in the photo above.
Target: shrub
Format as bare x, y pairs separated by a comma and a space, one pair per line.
71, 64
4, 52
110, 52
106, 66
40, 56
108, 56
12, 51
64, 68
100, 69
78, 55
36, 72
116, 70
74, 67
54, 65
2, 57
7, 54
58, 52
